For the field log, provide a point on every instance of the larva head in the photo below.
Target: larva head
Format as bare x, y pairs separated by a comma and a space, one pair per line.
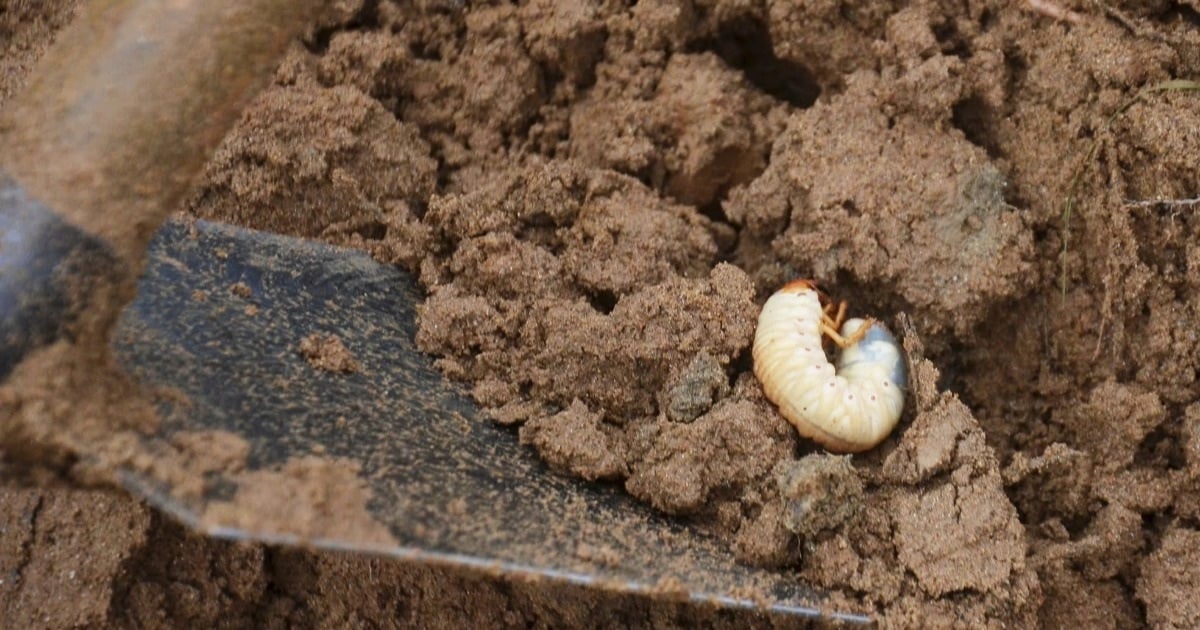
878, 346
800, 285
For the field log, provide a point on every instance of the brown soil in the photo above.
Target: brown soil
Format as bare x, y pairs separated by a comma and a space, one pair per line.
327, 352
598, 199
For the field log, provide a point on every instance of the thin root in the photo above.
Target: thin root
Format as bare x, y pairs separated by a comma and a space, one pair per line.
1170, 203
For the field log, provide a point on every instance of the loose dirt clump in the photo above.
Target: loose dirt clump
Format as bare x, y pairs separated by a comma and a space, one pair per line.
329, 353
853, 197
311, 496
819, 492
321, 157
1168, 582
581, 282
578, 441
936, 538
718, 464
597, 199
702, 131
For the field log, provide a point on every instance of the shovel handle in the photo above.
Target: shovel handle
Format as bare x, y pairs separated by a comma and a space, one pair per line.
114, 125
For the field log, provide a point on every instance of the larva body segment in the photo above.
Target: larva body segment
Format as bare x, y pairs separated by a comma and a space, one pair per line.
848, 408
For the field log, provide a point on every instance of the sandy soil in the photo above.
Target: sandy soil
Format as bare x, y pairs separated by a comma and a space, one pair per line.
598, 198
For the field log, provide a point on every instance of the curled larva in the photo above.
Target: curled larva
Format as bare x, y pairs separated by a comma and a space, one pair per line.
847, 408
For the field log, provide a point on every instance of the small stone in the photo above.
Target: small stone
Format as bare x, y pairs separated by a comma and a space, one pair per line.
691, 393
819, 492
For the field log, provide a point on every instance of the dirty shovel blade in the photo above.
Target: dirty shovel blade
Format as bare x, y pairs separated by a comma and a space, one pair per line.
442, 484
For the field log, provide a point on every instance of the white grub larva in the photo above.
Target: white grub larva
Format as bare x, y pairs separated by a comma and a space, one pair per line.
847, 408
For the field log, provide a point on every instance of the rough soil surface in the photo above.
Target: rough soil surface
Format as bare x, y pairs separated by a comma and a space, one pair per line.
598, 198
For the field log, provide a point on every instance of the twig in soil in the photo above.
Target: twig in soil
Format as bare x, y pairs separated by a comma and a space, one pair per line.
1053, 11
1131, 24
1170, 203
1174, 85
1104, 319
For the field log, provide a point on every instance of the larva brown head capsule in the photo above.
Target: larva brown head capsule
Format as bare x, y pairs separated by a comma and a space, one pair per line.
798, 285
848, 408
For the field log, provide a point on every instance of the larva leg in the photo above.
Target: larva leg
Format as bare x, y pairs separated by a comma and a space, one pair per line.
831, 323
832, 318
829, 330
837, 320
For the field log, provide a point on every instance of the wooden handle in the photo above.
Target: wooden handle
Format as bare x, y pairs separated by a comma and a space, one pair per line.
115, 124
121, 113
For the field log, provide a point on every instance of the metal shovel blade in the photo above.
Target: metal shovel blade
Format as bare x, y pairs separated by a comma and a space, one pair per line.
446, 485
